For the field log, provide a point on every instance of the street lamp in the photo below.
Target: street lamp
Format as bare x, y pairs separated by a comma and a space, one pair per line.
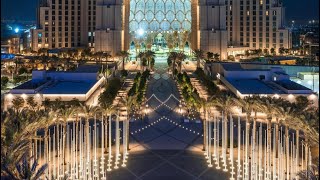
146, 109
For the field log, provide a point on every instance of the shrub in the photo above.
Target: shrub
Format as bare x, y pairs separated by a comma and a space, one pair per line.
4, 82
106, 98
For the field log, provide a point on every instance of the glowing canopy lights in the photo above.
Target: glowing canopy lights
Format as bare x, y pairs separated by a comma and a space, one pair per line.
140, 32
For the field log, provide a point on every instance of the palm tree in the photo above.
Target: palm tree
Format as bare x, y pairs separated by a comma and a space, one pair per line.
173, 56
210, 56
312, 172
64, 115
149, 55
107, 55
225, 104
247, 106
17, 63
216, 56
284, 114
18, 103
268, 106
198, 53
180, 58
44, 61
141, 56
31, 103
25, 170
124, 55
87, 113
205, 106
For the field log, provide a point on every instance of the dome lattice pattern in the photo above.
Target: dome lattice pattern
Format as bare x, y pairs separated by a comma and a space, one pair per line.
160, 15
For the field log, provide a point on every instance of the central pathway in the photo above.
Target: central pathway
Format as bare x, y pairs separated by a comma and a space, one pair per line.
162, 145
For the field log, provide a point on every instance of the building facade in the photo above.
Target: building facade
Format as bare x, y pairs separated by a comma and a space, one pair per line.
227, 27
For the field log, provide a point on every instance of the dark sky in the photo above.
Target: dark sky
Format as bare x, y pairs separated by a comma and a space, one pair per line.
26, 9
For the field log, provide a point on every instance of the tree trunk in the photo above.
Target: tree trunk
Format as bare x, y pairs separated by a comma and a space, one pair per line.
198, 62
123, 64
204, 131
211, 69
287, 151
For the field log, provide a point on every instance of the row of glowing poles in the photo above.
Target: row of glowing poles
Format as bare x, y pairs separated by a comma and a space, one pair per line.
146, 127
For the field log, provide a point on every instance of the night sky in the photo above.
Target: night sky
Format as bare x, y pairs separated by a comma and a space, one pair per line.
26, 9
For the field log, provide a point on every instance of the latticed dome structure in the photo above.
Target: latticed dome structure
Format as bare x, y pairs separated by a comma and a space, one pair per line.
159, 16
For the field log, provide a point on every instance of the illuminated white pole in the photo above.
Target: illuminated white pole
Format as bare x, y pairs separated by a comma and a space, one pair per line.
49, 155
209, 143
54, 152
231, 148
215, 138
243, 156
260, 153
239, 150
102, 148
265, 154
225, 128
117, 143
218, 157
124, 147
95, 165
274, 154
110, 150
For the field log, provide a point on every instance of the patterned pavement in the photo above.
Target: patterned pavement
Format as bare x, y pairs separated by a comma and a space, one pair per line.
162, 145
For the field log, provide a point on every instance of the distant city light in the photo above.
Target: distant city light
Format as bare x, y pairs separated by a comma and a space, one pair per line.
16, 30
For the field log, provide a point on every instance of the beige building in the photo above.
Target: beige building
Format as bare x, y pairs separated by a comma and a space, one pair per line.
64, 24
227, 27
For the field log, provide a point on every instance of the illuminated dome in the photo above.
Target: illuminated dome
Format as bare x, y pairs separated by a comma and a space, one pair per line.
159, 15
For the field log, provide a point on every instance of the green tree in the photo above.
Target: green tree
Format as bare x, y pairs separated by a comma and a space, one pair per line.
124, 55
18, 103
198, 54
4, 82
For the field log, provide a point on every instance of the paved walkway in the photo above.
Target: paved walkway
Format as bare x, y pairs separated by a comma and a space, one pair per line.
163, 146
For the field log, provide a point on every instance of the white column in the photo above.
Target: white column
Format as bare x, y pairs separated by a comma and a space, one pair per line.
231, 147
117, 157
239, 150
209, 143
110, 150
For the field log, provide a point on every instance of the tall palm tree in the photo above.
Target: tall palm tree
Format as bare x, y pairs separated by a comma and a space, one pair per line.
173, 56
198, 54
180, 58
64, 115
124, 55
311, 173
25, 170
247, 106
18, 62
268, 106
141, 56
216, 56
224, 104
149, 55
284, 114
210, 56
87, 113
18, 103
